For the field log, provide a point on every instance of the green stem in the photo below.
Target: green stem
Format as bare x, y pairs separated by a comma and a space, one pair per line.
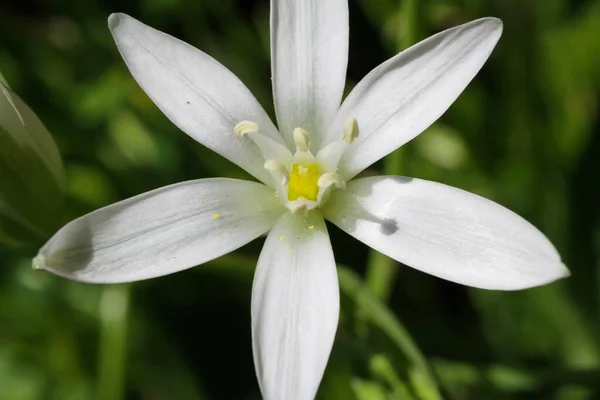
381, 275
114, 310
382, 270
597, 239
384, 319
409, 30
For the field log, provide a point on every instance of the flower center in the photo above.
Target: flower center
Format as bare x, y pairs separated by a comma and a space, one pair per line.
303, 181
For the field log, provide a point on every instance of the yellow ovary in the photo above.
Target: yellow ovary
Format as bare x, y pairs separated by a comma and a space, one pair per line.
303, 182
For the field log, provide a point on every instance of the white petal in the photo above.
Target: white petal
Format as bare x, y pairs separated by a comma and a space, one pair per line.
199, 95
295, 308
446, 232
309, 55
403, 96
161, 232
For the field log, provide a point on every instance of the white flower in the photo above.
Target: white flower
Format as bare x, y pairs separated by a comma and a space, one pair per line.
305, 170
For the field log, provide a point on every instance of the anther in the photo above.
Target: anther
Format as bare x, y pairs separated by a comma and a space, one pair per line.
277, 167
245, 127
301, 138
350, 131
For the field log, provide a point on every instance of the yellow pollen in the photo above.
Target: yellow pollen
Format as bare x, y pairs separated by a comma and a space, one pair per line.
303, 182
216, 216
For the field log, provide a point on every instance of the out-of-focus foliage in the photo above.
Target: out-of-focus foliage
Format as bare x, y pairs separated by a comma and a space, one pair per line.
525, 133
31, 173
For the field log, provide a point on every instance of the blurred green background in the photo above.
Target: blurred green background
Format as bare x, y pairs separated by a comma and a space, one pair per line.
525, 133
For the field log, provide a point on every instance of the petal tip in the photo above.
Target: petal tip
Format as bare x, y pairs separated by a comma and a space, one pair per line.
115, 19
39, 263
565, 272
560, 272
494, 23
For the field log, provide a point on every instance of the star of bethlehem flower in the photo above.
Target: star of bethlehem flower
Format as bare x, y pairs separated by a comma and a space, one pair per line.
306, 170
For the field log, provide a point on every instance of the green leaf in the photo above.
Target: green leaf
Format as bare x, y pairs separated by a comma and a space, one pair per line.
421, 376
31, 173
3, 80
366, 390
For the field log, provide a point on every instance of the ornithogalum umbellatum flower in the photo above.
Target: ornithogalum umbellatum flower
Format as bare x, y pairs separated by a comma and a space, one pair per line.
305, 170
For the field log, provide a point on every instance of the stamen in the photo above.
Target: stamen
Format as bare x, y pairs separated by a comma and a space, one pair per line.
276, 167
245, 127
302, 139
299, 206
350, 131
298, 180
329, 157
272, 165
276, 153
331, 178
